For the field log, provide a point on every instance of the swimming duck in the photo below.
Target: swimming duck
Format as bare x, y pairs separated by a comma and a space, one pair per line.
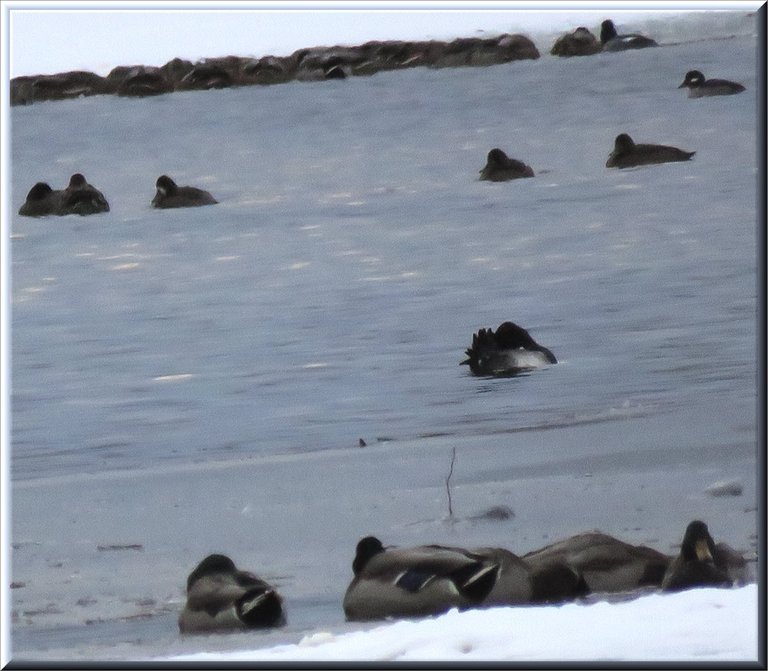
220, 597
41, 201
612, 41
500, 168
627, 154
701, 563
82, 198
170, 195
508, 351
605, 563
699, 87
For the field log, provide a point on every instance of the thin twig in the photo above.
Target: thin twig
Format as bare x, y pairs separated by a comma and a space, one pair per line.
448, 483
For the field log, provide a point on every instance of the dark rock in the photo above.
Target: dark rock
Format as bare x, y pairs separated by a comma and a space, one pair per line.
580, 42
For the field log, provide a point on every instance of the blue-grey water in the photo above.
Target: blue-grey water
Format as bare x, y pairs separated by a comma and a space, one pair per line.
331, 294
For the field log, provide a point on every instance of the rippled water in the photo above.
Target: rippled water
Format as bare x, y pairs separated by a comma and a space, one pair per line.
332, 292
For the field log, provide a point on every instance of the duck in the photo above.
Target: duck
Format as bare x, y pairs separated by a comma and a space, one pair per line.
82, 198
41, 200
702, 563
605, 563
432, 579
698, 86
612, 41
508, 351
170, 195
220, 597
500, 168
627, 154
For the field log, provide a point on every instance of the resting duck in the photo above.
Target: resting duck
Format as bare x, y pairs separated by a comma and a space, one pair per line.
41, 201
82, 198
500, 168
698, 86
432, 579
627, 154
170, 195
701, 563
612, 41
508, 351
606, 563
220, 597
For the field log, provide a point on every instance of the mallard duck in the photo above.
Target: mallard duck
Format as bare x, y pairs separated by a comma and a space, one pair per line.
612, 41
509, 350
170, 195
605, 563
82, 198
699, 87
627, 154
701, 563
221, 597
431, 579
41, 201
500, 168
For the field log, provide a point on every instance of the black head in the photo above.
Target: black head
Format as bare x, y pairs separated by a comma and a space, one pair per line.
77, 181
623, 143
166, 185
607, 31
39, 191
212, 564
692, 78
496, 157
367, 548
697, 543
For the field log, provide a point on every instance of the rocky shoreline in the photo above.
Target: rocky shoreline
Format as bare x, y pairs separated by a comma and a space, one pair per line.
309, 64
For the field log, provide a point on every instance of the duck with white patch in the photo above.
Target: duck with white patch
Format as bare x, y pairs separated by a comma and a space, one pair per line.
698, 86
508, 351
222, 598
612, 41
170, 195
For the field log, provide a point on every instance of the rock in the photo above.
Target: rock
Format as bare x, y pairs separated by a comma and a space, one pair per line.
580, 42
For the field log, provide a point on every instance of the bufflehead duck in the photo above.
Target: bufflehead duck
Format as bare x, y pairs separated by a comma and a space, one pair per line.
627, 154
701, 563
220, 597
500, 168
606, 563
82, 198
170, 195
508, 351
612, 41
699, 87
41, 201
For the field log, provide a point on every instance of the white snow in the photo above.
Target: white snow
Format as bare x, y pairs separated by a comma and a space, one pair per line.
700, 625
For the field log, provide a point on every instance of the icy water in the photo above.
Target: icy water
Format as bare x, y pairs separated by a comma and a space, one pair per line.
331, 294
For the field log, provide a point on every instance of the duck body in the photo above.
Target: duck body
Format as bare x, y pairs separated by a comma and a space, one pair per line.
501, 168
612, 41
169, 195
41, 201
82, 198
702, 563
606, 564
627, 154
698, 86
220, 597
508, 351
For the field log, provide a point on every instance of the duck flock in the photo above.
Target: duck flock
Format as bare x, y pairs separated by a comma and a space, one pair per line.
429, 579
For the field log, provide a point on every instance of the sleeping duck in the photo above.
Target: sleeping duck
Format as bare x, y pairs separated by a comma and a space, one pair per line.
432, 579
170, 195
220, 597
701, 563
612, 41
606, 563
509, 350
41, 201
82, 198
627, 154
500, 168
698, 86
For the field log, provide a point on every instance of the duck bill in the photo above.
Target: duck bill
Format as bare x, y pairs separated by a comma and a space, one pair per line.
682, 86
702, 550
